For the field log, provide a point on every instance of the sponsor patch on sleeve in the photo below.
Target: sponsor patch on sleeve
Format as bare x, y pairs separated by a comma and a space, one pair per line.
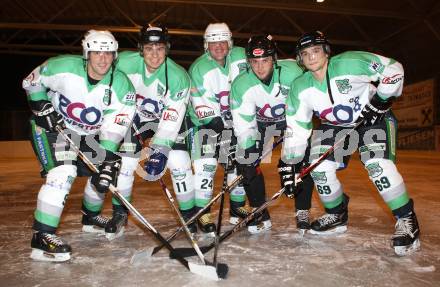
122, 120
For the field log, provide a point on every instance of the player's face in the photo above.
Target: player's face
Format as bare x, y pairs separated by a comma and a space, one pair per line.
314, 58
99, 63
218, 51
262, 67
154, 55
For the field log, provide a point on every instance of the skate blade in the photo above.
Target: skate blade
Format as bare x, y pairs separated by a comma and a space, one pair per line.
333, 231
40, 255
262, 227
92, 229
302, 232
141, 255
113, 236
206, 271
407, 250
234, 220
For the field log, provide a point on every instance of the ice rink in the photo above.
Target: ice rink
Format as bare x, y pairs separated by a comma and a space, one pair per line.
360, 257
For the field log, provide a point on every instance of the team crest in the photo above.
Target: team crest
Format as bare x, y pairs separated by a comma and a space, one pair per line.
343, 86
319, 177
374, 169
106, 99
284, 91
160, 90
242, 67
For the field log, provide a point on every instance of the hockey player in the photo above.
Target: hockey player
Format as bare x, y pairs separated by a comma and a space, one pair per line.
339, 90
162, 92
94, 103
212, 74
258, 98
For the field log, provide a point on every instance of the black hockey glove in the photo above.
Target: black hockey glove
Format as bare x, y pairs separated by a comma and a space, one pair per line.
216, 124
245, 160
374, 112
108, 172
46, 116
229, 153
287, 173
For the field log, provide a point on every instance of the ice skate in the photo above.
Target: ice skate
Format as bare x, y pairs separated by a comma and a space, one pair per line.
330, 224
116, 226
94, 224
406, 238
260, 224
237, 212
187, 214
49, 247
206, 225
302, 221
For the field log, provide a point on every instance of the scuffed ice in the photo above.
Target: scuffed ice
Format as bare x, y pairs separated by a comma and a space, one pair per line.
361, 257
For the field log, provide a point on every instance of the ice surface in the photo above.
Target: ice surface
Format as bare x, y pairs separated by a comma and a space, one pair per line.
360, 257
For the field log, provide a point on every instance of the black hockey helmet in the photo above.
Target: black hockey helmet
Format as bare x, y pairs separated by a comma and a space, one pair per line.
153, 34
311, 39
261, 46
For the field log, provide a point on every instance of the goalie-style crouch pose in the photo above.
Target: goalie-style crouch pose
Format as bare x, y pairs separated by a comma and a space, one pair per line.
339, 90
258, 98
94, 103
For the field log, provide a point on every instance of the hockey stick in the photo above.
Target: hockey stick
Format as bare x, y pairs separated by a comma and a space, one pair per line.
219, 266
220, 212
231, 186
206, 271
185, 252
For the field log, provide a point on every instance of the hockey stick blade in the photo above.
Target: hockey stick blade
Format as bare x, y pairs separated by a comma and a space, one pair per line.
202, 270
187, 252
141, 255
209, 271
232, 185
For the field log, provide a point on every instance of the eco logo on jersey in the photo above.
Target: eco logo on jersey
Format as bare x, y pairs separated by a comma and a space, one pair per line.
343, 86
374, 169
269, 113
204, 112
79, 114
357, 105
170, 115
223, 99
149, 108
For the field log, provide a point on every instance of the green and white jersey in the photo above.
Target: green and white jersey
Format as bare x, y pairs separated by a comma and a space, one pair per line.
211, 84
161, 96
86, 109
253, 101
350, 75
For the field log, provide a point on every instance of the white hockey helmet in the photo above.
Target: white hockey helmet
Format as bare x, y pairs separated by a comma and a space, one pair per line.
216, 32
99, 41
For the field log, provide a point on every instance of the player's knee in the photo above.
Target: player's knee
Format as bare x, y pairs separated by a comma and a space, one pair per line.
128, 166
58, 183
383, 173
178, 159
61, 176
